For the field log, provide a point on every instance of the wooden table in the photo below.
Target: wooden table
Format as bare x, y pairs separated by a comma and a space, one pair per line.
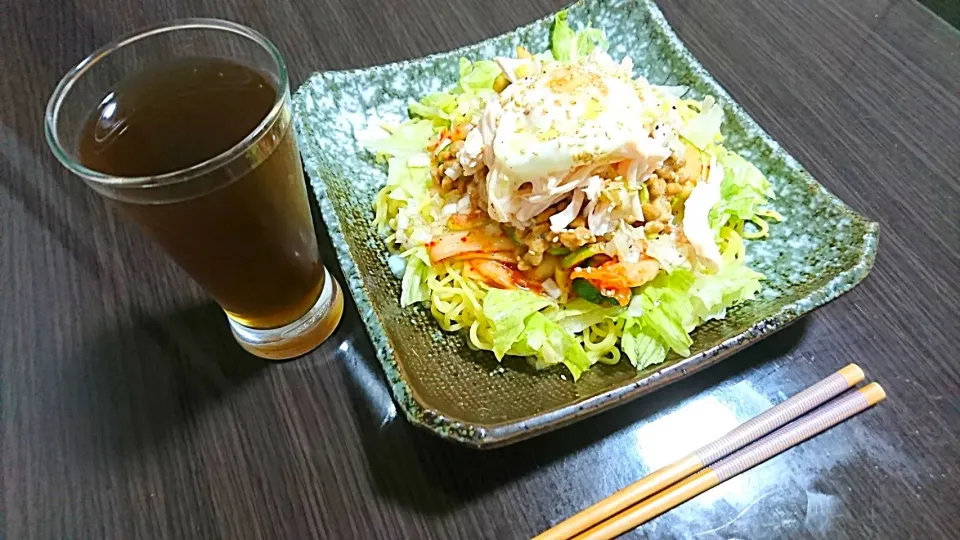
128, 412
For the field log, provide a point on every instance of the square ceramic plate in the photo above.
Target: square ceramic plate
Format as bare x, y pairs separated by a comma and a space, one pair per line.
821, 250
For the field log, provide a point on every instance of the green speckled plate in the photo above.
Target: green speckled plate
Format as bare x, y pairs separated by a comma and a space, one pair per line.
822, 250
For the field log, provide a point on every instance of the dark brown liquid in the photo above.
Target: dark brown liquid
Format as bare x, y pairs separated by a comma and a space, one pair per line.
250, 240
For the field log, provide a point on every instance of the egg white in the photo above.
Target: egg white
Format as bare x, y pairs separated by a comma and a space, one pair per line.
547, 134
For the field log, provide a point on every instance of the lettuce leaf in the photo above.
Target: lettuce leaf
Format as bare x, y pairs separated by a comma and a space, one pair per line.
704, 128
519, 328
732, 284
562, 39
507, 310
743, 191
413, 287
406, 183
477, 76
406, 140
550, 345
437, 107
588, 39
578, 314
666, 325
569, 46
641, 346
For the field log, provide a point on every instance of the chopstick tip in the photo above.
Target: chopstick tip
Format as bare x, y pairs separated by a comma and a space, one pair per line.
873, 392
852, 374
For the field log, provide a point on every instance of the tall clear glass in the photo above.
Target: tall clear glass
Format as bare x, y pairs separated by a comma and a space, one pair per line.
186, 129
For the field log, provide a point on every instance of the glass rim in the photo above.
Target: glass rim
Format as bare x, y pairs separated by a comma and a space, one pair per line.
66, 83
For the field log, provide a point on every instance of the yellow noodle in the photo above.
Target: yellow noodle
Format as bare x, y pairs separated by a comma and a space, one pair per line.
475, 337
769, 213
471, 293
606, 331
457, 303
383, 210
481, 335
761, 224
733, 248
441, 319
612, 359
605, 350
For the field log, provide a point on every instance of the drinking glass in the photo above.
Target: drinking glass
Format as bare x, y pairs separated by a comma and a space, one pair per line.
236, 218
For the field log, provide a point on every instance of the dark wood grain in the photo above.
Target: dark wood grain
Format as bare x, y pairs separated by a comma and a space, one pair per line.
128, 412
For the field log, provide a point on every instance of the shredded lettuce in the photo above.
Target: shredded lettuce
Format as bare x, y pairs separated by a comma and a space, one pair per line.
413, 287
666, 325
477, 76
744, 188
437, 106
406, 140
407, 191
704, 128
588, 39
641, 345
521, 329
667, 310
578, 314
674, 304
660, 318
743, 191
548, 345
562, 39
569, 46
507, 310
733, 283
407, 183
446, 109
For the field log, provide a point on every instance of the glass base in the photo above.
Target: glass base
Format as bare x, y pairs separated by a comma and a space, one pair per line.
302, 335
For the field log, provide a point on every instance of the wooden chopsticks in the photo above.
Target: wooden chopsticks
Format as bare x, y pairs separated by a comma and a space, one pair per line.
722, 459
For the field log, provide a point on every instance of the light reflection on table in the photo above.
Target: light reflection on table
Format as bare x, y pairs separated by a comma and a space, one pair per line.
785, 494
371, 385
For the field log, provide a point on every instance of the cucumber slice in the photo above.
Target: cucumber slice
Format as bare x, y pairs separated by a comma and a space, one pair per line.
581, 255
584, 289
512, 234
558, 250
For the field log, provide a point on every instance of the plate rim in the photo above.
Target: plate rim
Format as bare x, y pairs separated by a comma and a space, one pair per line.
479, 436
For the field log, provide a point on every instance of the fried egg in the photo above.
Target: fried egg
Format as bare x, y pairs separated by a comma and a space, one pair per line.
547, 134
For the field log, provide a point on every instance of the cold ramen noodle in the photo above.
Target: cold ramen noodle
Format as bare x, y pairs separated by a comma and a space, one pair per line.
552, 206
